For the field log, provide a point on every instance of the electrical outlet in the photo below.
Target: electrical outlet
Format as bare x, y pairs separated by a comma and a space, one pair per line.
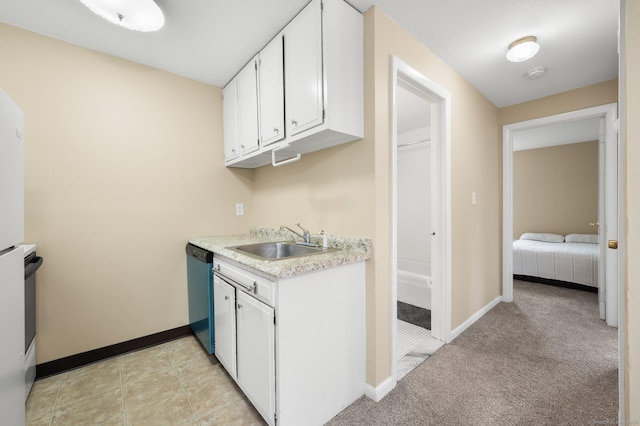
239, 209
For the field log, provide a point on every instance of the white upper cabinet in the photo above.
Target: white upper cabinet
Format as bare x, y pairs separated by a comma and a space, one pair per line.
322, 102
303, 65
248, 137
230, 120
271, 79
240, 113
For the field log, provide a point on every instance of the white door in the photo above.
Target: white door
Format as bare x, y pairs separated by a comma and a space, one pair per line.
256, 353
303, 62
608, 130
230, 119
248, 108
271, 87
224, 314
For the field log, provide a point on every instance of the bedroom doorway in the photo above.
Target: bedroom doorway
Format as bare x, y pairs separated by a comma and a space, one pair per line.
610, 207
572, 127
420, 218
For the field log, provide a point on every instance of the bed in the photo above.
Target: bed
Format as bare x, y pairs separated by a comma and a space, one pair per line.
570, 261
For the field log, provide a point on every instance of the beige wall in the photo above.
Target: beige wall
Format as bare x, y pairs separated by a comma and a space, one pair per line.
584, 97
631, 100
347, 189
555, 189
123, 165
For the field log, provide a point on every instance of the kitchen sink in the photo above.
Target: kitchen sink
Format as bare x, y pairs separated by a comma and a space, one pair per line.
279, 250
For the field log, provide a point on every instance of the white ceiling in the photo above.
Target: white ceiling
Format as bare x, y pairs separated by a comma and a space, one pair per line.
210, 40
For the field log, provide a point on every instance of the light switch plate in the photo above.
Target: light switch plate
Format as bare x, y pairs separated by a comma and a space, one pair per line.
239, 209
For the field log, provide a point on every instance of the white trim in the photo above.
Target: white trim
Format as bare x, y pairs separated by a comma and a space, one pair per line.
475, 317
380, 391
440, 98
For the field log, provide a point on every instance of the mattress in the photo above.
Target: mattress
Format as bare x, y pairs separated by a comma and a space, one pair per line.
570, 262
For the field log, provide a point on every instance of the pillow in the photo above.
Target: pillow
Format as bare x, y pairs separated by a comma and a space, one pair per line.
582, 238
539, 236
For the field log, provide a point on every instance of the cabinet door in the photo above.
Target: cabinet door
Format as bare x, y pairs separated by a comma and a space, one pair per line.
271, 77
303, 65
256, 353
224, 308
230, 119
248, 108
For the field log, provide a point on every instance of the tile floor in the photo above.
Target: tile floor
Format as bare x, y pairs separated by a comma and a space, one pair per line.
175, 383
413, 347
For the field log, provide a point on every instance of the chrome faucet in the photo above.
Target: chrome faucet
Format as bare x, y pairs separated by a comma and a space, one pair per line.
306, 236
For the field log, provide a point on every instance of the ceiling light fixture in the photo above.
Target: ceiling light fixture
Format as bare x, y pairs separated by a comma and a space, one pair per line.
522, 49
137, 15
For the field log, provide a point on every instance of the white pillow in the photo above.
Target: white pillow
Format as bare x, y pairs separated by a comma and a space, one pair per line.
582, 238
539, 236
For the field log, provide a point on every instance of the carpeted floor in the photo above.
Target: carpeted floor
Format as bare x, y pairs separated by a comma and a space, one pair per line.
414, 315
546, 359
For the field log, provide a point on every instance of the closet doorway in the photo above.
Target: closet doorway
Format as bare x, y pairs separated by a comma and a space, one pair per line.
420, 219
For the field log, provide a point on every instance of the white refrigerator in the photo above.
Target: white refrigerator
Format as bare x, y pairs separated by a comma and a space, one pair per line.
12, 361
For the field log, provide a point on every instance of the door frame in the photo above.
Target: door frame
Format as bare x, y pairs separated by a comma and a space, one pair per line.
610, 114
440, 100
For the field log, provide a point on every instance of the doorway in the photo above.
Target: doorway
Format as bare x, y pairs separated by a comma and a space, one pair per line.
609, 212
420, 254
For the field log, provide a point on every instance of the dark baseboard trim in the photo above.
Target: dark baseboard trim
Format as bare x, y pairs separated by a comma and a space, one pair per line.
556, 283
78, 360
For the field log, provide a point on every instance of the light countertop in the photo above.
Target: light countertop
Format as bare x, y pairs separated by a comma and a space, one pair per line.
352, 249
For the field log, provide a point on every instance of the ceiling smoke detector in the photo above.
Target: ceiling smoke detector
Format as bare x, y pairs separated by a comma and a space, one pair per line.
535, 73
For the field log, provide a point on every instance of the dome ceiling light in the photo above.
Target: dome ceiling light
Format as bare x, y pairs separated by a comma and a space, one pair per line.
137, 15
522, 49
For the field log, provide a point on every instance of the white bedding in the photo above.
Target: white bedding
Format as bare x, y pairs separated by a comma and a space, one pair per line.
571, 262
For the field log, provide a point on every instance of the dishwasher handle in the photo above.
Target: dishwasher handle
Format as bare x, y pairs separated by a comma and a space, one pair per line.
250, 288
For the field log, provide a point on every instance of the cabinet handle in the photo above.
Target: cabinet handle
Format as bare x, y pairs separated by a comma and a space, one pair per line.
233, 150
294, 122
226, 298
239, 305
275, 129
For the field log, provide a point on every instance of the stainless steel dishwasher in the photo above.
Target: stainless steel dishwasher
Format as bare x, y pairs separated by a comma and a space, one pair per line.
200, 286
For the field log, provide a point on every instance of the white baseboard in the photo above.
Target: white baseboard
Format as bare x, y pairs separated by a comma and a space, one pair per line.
380, 391
475, 317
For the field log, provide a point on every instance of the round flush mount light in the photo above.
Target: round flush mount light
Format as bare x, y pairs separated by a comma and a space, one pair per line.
522, 49
137, 15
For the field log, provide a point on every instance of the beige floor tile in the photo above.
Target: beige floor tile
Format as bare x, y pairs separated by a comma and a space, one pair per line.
207, 397
174, 410
184, 350
38, 418
154, 359
199, 370
99, 408
97, 378
43, 395
240, 413
151, 387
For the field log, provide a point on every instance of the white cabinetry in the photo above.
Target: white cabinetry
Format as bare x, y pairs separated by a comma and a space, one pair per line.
271, 79
303, 62
240, 113
300, 354
323, 84
256, 353
224, 320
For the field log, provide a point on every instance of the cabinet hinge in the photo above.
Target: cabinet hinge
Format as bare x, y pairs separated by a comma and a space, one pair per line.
323, 113
275, 417
255, 65
274, 319
321, 6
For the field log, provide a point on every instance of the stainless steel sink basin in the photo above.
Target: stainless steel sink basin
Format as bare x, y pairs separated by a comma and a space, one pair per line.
279, 250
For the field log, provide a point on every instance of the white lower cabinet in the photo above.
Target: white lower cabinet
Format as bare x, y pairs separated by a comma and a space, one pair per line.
295, 346
224, 324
